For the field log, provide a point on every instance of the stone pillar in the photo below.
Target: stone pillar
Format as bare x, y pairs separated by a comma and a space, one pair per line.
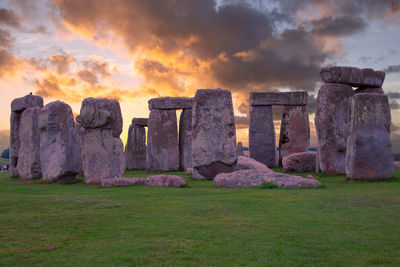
369, 149
135, 150
24, 154
60, 152
262, 135
162, 141
102, 149
332, 122
295, 131
239, 149
185, 139
214, 133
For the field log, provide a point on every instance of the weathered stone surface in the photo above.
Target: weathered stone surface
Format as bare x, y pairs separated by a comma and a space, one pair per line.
165, 181
332, 122
245, 163
60, 153
352, 76
214, 133
295, 131
252, 178
369, 149
14, 142
239, 149
262, 135
396, 165
101, 113
140, 122
135, 149
102, 155
28, 101
185, 139
122, 182
28, 164
162, 144
298, 98
373, 90
300, 162
170, 103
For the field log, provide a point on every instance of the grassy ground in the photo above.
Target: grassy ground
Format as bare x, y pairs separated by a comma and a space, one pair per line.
344, 223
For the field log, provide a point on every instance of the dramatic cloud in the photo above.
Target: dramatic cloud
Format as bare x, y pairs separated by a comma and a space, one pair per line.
339, 26
9, 18
392, 69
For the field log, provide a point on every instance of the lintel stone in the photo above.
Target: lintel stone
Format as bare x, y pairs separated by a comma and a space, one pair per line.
298, 98
170, 103
140, 122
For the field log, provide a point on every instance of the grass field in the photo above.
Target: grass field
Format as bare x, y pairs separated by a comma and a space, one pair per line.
343, 223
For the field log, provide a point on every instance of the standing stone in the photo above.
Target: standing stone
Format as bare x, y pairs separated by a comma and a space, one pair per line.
239, 149
295, 131
185, 140
28, 164
332, 122
262, 135
102, 149
60, 153
18, 105
102, 156
214, 133
162, 141
369, 149
135, 150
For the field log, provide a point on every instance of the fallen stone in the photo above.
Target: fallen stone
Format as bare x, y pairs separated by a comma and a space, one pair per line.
140, 122
122, 182
185, 139
332, 122
60, 152
396, 165
162, 144
28, 101
352, 76
102, 155
135, 149
298, 98
170, 103
245, 163
101, 113
369, 149
239, 149
295, 131
28, 164
165, 181
372, 90
214, 133
300, 162
252, 178
262, 135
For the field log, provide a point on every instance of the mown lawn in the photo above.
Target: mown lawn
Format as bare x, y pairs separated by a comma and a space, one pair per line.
343, 223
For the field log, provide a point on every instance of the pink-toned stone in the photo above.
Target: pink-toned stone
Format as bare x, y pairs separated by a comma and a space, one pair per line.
352, 76
300, 162
122, 182
165, 181
245, 163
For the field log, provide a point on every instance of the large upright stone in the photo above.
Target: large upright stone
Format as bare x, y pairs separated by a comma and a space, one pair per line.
332, 122
101, 113
102, 155
352, 76
28, 101
369, 149
60, 153
185, 139
28, 163
214, 133
162, 141
262, 135
135, 149
239, 149
170, 103
295, 131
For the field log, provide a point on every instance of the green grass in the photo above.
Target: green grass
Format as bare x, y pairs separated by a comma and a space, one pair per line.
343, 223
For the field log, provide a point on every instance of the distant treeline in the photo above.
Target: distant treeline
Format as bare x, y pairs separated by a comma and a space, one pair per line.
396, 157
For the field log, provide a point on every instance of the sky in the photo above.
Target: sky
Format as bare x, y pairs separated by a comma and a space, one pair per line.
135, 50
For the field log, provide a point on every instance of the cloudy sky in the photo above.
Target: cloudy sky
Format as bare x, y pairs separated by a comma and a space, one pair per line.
133, 50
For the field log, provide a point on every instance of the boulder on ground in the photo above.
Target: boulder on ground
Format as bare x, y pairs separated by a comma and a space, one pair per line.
170, 103
165, 181
60, 153
101, 113
28, 101
300, 162
214, 133
122, 182
252, 178
245, 163
396, 165
352, 76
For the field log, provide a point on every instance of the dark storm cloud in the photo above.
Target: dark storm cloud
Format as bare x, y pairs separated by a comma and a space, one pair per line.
6, 39
338, 26
9, 18
392, 69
